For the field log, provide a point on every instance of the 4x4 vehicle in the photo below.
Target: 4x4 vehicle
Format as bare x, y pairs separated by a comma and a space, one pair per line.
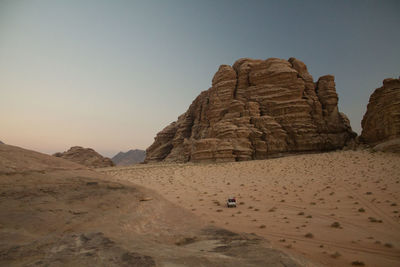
231, 203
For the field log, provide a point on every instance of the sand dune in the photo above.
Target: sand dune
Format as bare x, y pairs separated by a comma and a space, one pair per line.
335, 209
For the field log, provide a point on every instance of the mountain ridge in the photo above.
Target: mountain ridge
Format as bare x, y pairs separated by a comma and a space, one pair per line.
132, 156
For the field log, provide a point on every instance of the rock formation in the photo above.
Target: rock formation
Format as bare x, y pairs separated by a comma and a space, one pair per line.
256, 109
85, 156
381, 122
129, 158
1, 143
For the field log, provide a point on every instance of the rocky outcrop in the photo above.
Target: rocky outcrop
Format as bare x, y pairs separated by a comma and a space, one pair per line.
129, 158
381, 122
1, 143
256, 109
85, 156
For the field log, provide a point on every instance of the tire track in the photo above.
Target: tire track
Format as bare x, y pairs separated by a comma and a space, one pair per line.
374, 209
382, 252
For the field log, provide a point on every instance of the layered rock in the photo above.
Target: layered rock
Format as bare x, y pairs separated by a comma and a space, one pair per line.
85, 156
130, 157
381, 122
256, 109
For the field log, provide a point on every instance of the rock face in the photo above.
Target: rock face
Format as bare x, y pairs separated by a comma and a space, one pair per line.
256, 109
85, 156
129, 158
381, 122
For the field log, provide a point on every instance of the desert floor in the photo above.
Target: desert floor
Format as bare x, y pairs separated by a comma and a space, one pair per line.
57, 213
335, 209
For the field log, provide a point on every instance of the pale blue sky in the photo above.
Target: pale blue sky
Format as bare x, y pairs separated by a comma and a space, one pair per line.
111, 74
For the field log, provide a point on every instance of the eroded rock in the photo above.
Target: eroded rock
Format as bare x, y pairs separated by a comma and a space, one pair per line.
85, 156
254, 110
381, 122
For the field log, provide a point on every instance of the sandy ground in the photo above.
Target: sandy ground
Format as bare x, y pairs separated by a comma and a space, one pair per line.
335, 209
58, 213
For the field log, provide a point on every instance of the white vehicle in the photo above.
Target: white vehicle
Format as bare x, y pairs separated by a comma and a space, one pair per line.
231, 203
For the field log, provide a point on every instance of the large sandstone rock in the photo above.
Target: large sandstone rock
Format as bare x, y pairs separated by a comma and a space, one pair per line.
381, 122
256, 109
85, 156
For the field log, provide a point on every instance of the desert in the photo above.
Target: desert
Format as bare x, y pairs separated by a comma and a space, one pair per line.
54, 212
199, 133
335, 209
313, 194
318, 196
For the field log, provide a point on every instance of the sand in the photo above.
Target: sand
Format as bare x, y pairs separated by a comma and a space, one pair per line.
58, 213
334, 209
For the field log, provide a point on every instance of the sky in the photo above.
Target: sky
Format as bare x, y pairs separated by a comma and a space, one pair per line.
111, 74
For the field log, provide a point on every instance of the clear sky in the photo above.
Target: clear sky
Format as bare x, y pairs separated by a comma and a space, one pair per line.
110, 74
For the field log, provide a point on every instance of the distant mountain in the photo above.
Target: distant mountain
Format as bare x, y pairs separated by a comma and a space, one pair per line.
129, 158
1, 143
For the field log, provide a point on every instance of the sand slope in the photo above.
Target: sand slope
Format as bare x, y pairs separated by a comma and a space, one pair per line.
57, 213
336, 209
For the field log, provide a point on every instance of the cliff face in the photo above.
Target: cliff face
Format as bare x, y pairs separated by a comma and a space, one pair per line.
256, 109
85, 156
381, 122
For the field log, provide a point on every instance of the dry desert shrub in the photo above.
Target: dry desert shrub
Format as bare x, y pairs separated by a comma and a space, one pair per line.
272, 209
374, 220
358, 263
388, 245
309, 235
